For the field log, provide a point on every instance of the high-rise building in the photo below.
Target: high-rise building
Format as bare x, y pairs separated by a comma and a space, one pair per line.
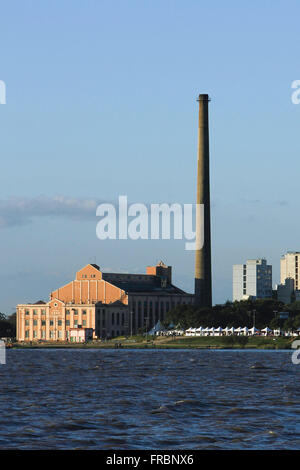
253, 279
289, 268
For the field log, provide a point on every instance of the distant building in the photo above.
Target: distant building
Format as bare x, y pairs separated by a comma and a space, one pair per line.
252, 280
111, 304
80, 335
288, 290
285, 291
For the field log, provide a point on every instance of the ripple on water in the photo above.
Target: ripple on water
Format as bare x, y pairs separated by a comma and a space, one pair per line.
149, 399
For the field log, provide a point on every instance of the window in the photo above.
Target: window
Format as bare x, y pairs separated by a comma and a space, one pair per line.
27, 312
34, 322
67, 322
83, 312
112, 318
43, 311
75, 311
43, 334
43, 323
59, 322
83, 322
27, 334
51, 322
34, 312
67, 312
75, 322
27, 322
34, 334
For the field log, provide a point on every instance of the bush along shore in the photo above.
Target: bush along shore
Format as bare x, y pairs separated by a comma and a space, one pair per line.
181, 342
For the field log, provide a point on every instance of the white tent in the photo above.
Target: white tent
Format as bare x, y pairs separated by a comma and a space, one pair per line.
238, 331
179, 332
158, 328
266, 331
199, 331
190, 331
253, 331
218, 331
227, 331
205, 331
245, 331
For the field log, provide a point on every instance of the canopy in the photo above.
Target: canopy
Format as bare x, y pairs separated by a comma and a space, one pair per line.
156, 328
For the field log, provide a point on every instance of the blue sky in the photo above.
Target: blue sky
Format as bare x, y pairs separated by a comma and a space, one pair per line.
101, 101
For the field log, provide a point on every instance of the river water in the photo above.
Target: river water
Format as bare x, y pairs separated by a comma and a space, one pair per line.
149, 399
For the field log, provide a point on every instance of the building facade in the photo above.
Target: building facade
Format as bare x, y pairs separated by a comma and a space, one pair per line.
111, 304
253, 279
289, 268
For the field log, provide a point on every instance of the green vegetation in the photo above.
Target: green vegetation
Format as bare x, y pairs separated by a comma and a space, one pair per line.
244, 313
7, 325
178, 342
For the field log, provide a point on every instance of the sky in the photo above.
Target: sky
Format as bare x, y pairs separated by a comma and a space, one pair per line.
101, 102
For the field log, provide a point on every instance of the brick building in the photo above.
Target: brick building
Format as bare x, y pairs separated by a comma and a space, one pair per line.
112, 304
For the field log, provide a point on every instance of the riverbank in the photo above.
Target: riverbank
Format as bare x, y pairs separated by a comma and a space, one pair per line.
140, 342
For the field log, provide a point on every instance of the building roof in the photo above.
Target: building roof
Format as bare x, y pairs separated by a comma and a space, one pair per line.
146, 283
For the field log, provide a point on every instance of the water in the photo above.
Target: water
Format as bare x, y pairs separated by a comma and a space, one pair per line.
148, 399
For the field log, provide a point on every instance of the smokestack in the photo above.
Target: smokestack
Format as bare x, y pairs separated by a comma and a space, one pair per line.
203, 294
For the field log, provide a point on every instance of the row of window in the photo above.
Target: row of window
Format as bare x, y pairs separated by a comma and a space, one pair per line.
35, 312
52, 334
51, 322
162, 307
43, 312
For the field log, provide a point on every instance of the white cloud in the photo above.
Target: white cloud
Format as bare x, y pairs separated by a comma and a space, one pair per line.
21, 211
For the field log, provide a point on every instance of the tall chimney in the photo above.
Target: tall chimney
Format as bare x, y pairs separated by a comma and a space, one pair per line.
203, 294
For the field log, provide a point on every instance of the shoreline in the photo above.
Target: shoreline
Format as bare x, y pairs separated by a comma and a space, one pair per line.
252, 343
